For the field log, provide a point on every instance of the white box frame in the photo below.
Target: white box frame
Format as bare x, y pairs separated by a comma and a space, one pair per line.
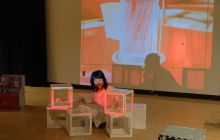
121, 132
53, 123
78, 131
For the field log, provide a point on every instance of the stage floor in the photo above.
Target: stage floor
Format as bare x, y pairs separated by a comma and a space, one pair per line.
30, 122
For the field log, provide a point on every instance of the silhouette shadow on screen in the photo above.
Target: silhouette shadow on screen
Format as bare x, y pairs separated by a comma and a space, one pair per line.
156, 77
150, 77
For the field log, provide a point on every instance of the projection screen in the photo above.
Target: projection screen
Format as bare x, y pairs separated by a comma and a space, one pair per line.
161, 45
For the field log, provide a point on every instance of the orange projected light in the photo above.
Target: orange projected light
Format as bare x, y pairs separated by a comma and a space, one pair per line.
91, 8
118, 77
135, 77
117, 36
195, 79
96, 53
186, 48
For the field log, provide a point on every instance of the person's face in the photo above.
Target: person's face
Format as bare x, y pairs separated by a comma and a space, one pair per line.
99, 83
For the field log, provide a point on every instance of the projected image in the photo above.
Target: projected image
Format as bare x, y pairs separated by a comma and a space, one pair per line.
148, 44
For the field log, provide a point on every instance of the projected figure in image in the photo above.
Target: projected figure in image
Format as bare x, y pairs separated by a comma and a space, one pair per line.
156, 77
125, 32
187, 38
135, 24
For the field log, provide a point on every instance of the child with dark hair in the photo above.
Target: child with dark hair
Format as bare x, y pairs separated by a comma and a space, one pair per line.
98, 80
100, 85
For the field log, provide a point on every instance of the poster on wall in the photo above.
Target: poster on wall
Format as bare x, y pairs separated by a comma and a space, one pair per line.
163, 45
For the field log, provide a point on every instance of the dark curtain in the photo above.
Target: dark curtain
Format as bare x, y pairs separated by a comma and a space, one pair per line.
23, 40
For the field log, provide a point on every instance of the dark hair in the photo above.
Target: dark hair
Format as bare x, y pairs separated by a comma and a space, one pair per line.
98, 74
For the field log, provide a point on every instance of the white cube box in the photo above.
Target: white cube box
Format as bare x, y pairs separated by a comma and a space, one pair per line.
119, 102
79, 121
61, 96
139, 116
56, 118
119, 126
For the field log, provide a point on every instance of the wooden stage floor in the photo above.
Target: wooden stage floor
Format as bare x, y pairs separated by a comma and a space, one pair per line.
30, 122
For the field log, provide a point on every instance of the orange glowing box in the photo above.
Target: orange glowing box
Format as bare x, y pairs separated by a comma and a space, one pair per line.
119, 102
61, 96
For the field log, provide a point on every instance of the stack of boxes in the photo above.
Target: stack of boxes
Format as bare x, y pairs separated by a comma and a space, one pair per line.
119, 112
61, 99
61, 114
78, 120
